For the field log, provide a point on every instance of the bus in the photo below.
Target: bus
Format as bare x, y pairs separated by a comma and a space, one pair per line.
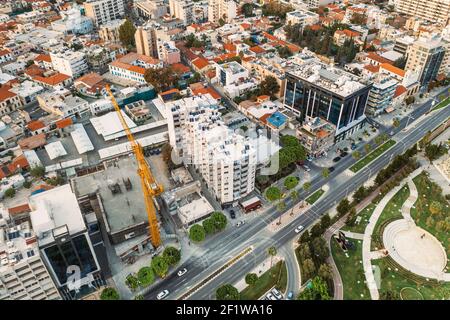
251, 204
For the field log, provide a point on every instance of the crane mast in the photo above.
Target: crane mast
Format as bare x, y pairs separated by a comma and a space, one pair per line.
150, 187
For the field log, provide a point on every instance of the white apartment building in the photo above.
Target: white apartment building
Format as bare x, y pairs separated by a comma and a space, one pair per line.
230, 72
430, 10
23, 275
132, 66
183, 10
62, 103
226, 160
68, 62
218, 9
302, 17
101, 11
151, 9
73, 22
316, 3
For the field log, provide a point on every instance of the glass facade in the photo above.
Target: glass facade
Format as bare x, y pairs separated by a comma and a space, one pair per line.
309, 99
72, 252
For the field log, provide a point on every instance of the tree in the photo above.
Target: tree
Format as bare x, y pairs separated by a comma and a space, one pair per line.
430, 222
356, 155
160, 266
247, 9
325, 271
316, 230
251, 278
358, 18
219, 220
269, 86
410, 100
325, 221
325, 173
284, 52
304, 251
317, 291
343, 206
146, 276
172, 255
367, 148
308, 267
360, 194
305, 237
208, 225
291, 182
132, 282
307, 186
433, 151
197, 233
10, 193
272, 251
139, 297
221, 22
109, 294
161, 79
192, 41
389, 295
27, 184
273, 194
396, 123
37, 171
126, 33
378, 140
227, 292
435, 207
319, 249
400, 62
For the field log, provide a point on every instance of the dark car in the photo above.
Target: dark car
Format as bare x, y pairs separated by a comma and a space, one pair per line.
232, 214
331, 169
336, 159
344, 154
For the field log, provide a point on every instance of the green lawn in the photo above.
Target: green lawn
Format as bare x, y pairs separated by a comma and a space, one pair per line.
442, 104
276, 276
390, 213
351, 271
315, 196
397, 279
372, 156
365, 216
430, 192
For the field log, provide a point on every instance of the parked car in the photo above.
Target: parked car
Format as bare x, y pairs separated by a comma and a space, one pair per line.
306, 168
270, 296
232, 214
181, 272
277, 294
353, 147
344, 154
162, 294
290, 295
391, 133
331, 169
336, 159
299, 229
240, 223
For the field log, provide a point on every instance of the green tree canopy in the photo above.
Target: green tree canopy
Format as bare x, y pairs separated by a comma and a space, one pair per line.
37, 171
307, 186
227, 292
251, 278
146, 276
109, 294
269, 86
172, 255
197, 233
247, 9
126, 33
273, 194
208, 225
291, 182
10, 192
325, 173
161, 79
343, 206
317, 291
160, 266
220, 220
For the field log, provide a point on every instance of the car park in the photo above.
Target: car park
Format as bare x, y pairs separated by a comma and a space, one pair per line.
270, 296
162, 294
299, 229
181, 272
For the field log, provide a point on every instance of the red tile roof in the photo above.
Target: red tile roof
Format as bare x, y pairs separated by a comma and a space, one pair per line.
399, 91
35, 125
375, 57
63, 123
372, 68
257, 49
211, 91
200, 63
43, 57
23, 208
52, 80
389, 67
180, 68
5, 93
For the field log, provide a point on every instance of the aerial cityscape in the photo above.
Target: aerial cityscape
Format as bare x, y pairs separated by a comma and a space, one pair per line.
225, 150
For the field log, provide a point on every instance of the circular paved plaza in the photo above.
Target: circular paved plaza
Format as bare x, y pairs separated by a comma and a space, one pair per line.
414, 248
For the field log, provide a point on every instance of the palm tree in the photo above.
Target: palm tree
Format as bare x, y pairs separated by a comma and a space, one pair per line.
325, 173
272, 251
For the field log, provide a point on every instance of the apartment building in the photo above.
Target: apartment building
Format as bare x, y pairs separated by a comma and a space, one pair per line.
302, 17
109, 31
64, 241
381, 94
425, 56
102, 11
316, 135
315, 89
168, 52
23, 274
9, 101
183, 10
68, 62
222, 9
146, 41
62, 103
312, 4
227, 161
132, 66
430, 10
151, 9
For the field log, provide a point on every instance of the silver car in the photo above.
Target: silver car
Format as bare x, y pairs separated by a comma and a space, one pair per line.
162, 294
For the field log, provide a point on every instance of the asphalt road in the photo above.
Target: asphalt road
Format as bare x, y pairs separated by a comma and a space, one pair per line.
224, 246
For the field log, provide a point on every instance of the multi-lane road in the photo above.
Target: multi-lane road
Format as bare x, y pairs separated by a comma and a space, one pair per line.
224, 246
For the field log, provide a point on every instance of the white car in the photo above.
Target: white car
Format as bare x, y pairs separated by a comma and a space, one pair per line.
240, 223
270, 296
181, 272
162, 294
307, 169
299, 229
277, 294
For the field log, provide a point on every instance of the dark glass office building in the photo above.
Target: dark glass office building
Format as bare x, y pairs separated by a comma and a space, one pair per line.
320, 96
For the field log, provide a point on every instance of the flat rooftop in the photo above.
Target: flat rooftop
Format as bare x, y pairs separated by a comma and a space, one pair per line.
123, 209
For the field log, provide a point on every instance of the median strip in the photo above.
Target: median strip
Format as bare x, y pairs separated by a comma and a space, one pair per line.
315, 196
215, 273
442, 104
372, 156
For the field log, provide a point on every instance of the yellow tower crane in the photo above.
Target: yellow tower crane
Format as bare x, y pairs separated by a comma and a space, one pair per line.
150, 188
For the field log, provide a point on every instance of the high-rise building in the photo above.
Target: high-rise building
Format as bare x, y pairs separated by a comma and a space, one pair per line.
226, 160
64, 241
146, 41
23, 274
425, 56
314, 89
151, 9
381, 94
431, 10
68, 62
183, 10
222, 9
109, 31
101, 11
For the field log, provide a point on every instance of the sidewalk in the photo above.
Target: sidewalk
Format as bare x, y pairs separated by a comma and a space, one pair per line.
259, 270
287, 217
